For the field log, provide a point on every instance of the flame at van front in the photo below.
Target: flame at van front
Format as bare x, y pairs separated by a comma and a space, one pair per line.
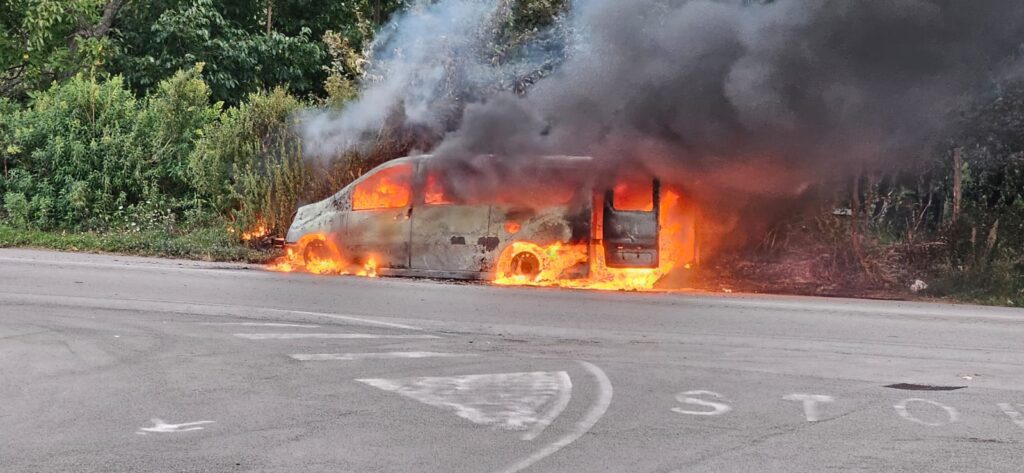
317, 254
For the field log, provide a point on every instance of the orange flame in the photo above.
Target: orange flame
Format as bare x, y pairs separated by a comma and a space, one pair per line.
433, 192
317, 254
636, 196
259, 232
557, 264
387, 189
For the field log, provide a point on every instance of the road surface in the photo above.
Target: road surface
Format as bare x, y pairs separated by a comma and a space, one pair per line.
113, 364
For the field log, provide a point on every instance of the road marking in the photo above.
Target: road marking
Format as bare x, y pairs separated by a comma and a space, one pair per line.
811, 402
350, 318
717, 408
604, 399
216, 310
511, 401
373, 356
345, 336
259, 324
1014, 414
564, 395
901, 409
161, 427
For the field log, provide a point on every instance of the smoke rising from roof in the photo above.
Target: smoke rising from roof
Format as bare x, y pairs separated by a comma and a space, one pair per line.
725, 96
813, 84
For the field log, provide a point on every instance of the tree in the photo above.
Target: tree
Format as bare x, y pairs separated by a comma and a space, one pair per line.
43, 40
246, 45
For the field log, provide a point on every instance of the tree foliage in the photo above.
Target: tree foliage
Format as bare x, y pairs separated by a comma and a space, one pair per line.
247, 46
41, 40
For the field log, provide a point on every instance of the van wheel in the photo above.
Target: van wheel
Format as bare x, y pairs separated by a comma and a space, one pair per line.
315, 251
525, 264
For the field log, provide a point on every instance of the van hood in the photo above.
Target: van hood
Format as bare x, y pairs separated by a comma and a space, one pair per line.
305, 219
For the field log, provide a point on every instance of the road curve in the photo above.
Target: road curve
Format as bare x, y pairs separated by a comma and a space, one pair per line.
113, 363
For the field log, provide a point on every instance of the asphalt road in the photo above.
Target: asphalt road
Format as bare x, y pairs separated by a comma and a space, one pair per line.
113, 364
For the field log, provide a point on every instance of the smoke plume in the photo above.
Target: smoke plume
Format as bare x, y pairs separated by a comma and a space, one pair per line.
422, 65
733, 100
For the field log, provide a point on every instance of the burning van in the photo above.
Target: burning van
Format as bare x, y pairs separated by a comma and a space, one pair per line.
551, 221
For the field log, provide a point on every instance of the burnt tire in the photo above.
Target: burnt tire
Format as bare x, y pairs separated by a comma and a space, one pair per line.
525, 264
316, 250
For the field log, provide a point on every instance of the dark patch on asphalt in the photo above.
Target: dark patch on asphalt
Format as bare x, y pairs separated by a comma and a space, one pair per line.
923, 387
978, 440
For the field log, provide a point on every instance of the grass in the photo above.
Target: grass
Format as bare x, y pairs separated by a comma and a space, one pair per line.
207, 244
998, 286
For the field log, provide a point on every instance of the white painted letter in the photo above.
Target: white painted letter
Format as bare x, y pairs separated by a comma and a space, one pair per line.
717, 408
1013, 413
810, 403
901, 409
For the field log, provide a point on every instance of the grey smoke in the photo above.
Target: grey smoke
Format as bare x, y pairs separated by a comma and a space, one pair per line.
819, 85
421, 65
731, 99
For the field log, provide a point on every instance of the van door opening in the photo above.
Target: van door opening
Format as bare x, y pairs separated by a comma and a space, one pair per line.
631, 224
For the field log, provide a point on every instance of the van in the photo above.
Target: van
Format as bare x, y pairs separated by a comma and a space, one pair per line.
539, 220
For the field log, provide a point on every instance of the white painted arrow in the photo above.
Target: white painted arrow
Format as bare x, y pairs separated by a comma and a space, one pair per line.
511, 401
162, 427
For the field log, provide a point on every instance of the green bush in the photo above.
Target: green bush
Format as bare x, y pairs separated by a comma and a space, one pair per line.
75, 152
86, 155
169, 125
17, 207
249, 165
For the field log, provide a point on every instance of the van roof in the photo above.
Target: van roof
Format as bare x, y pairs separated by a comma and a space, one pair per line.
554, 158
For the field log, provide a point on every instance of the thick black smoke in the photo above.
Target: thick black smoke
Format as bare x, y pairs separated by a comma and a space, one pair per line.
738, 99
740, 103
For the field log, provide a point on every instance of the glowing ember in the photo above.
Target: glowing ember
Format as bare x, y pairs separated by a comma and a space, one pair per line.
317, 254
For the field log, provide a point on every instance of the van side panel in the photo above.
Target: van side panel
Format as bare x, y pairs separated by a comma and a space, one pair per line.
451, 237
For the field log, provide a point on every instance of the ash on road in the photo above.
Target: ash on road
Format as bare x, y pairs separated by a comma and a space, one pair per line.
127, 364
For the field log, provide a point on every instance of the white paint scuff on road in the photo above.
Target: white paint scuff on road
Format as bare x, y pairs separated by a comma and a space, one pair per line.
717, 408
161, 427
1012, 413
511, 401
260, 324
349, 318
902, 410
604, 399
810, 401
373, 356
341, 336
